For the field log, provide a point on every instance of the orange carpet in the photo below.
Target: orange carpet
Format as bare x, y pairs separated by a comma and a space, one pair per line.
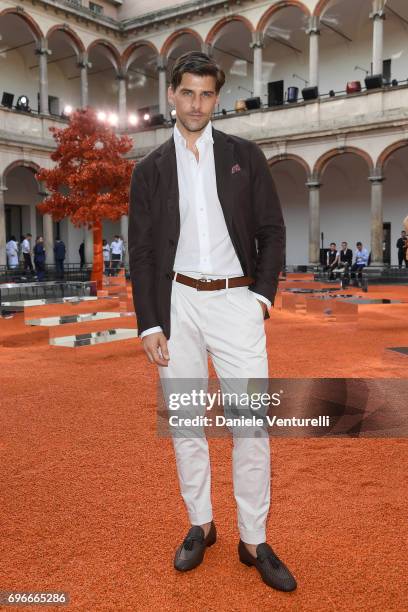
90, 495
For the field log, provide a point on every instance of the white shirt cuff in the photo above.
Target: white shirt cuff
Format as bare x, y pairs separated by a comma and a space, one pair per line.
151, 330
263, 299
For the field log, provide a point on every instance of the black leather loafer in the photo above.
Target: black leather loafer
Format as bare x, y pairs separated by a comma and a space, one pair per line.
191, 552
273, 572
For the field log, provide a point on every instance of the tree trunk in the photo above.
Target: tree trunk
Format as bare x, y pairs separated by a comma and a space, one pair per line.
97, 268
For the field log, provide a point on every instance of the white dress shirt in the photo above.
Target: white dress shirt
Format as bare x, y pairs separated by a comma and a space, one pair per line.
25, 246
204, 245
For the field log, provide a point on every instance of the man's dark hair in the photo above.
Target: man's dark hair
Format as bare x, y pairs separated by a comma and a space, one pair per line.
332, 244
198, 63
359, 244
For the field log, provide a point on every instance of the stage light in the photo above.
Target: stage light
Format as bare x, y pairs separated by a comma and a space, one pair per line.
394, 83
374, 81
146, 117
173, 112
7, 99
68, 110
332, 93
101, 116
133, 119
310, 93
113, 119
23, 104
253, 103
223, 111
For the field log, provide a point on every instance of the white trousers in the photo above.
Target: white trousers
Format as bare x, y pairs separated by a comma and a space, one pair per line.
228, 325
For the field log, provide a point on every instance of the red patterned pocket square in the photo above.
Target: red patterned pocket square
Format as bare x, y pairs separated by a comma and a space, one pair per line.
235, 168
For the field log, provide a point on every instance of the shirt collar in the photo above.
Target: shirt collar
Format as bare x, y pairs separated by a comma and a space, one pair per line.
206, 136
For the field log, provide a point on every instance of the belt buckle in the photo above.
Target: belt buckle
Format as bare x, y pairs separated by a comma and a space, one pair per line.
200, 283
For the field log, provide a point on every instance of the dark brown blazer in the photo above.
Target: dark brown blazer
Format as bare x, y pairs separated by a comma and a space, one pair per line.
252, 214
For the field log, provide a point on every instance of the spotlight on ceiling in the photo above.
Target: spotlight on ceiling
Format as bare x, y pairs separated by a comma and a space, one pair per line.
133, 119
23, 104
113, 119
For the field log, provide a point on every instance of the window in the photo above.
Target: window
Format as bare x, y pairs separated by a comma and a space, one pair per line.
96, 8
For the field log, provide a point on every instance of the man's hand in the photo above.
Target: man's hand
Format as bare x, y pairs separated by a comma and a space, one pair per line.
263, 306
155, 346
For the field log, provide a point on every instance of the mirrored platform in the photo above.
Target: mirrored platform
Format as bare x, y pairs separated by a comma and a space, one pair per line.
77, 318
99, 337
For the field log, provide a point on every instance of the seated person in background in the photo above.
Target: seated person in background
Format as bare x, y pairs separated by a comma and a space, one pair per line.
333, 259
346, 259
361, 260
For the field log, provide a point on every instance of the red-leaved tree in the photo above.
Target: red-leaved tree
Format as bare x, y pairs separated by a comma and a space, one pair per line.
90, 180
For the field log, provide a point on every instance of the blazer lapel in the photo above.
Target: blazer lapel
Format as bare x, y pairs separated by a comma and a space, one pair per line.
224, 160
167, 165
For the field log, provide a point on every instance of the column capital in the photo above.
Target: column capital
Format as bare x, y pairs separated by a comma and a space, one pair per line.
122, 76
313, 183
313, 25
206, 48
83, 61
377, 14
161, 64
257, 41
42, 49
376, 178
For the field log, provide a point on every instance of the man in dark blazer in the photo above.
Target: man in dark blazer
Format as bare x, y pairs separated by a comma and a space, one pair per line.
206, 242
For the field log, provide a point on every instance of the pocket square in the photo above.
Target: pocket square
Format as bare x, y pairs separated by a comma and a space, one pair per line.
235, 168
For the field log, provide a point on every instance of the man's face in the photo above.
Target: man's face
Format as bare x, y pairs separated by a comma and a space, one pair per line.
333, 247
344, 246
194, 100
359, 246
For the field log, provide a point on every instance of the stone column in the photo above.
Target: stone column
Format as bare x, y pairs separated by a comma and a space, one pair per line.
314, 34
33, 223
88, 239
3, 258
314, 222
161, 69
83, 67
257, 45
43, 52
48, 239
124, 229
122, 104
378, 16
377, 234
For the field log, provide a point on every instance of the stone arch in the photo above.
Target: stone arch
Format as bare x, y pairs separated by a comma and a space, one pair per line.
388, 151
209, 39
170, 40
263, 22
320, 6
115, 55
73, 36
31, 23
276, 159
127, 54
20, 163
324, 159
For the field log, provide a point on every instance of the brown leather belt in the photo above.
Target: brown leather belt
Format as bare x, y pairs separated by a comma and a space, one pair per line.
204, 284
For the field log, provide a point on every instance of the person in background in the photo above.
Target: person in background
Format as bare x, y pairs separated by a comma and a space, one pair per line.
106, 256
116, 254
361, 261
59, 255
26, 250
402, 244
39, 258
12, 253
332, 261
81, 252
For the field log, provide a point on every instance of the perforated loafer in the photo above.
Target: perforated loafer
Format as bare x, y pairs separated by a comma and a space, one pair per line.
273, 572
191, 552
